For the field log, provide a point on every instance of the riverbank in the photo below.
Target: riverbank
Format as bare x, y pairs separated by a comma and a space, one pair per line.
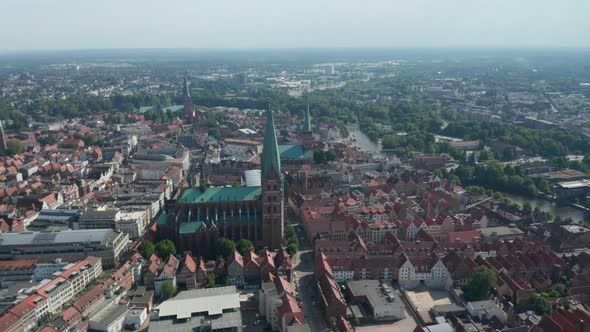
545, 205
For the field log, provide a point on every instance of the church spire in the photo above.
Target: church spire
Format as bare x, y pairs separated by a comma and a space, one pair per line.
271, 159
3, 140
307, 123
185, 90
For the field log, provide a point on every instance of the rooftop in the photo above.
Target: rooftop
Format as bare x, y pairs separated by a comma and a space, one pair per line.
110, 315
500, 231
213, 301
574, 184
223, 194
68, 236
378, 294
294, 152
229, 321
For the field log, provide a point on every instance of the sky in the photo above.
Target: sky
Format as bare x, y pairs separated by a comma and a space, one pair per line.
100, 24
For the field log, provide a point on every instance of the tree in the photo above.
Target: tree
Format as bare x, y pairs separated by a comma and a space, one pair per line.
165, 248
541, 305
14, 147
292, 249
291, 240
210, 280
478, 288
244, 246
146, 249
527, 208
168, 289
225, 247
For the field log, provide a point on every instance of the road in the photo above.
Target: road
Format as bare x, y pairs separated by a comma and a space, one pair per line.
304, 283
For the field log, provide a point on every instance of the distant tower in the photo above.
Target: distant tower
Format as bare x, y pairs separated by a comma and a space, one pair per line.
273, 207
3, 139
307, 129
189, 112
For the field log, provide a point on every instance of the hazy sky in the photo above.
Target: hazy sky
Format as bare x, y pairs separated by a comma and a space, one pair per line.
82, 24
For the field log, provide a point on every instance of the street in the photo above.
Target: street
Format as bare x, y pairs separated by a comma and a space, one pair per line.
303, 280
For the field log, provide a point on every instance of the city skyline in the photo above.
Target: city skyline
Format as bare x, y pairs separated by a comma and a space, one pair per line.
36, 25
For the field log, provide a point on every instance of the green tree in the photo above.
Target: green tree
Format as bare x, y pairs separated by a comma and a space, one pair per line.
165, 248
478, 288
541, 305
244, 246
168, 289
210, 280
146, 249
527, 208
14, 147
319, 156
291, 240
225, 247
292, 249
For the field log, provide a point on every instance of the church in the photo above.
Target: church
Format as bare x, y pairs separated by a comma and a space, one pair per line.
200, 216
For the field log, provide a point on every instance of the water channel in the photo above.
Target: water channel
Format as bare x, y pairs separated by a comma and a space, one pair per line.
364, 143
547, 206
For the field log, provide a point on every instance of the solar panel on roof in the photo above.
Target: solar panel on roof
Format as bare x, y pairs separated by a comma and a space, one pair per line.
44, 238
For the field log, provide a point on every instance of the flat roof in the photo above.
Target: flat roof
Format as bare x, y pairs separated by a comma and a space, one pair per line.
227, 321
213, 301
574, 184
67, 236
378, 294
501, 231
110, 315
222, 194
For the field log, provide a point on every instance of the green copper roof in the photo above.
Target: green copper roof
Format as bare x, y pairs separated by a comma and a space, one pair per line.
307, 123
191, 227
294, 152
173, 108
185, 91
270, 148
228, 194
163, 218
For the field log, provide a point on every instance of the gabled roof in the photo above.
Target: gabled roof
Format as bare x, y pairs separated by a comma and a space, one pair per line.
188, 264
235, 256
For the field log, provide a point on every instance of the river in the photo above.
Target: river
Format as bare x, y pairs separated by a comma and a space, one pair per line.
365, 144
547, 206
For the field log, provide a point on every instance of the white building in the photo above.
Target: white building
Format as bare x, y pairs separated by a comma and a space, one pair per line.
132, 223
111, 319
430, 271
485, 310
68, 282
135, 318
203, 309
46, 270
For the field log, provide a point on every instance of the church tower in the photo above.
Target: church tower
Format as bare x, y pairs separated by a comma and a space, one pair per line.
307, 130
189, 112
3, 139
273, 206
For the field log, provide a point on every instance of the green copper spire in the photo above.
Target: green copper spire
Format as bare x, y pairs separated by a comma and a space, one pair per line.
185, 90
307, 123
271, 159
